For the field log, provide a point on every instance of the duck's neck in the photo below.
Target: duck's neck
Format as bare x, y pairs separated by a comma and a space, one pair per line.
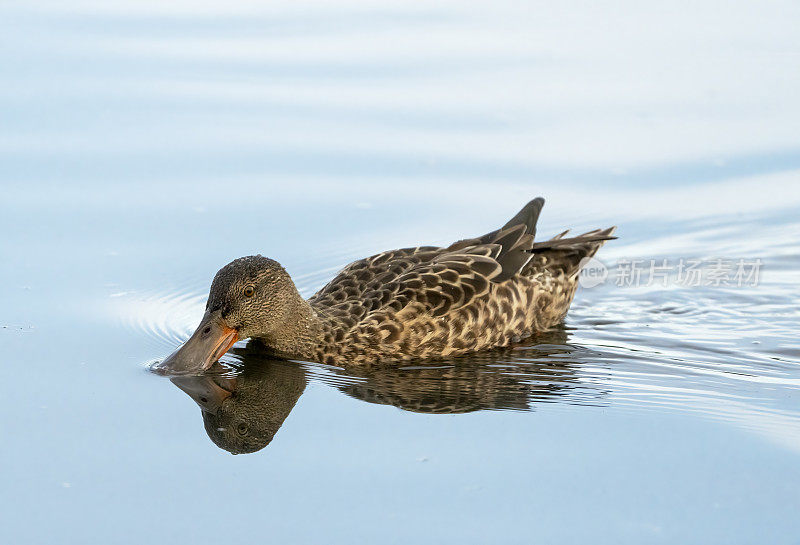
298, 335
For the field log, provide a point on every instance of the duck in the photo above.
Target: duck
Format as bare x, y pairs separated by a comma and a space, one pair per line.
418, 303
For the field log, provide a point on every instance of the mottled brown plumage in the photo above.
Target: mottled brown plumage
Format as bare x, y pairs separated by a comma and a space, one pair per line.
413, 303
428, 302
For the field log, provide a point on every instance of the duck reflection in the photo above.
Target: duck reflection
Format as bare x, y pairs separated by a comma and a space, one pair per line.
245, 407
513, 379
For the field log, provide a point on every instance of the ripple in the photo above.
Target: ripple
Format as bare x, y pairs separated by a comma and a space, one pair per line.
165, 318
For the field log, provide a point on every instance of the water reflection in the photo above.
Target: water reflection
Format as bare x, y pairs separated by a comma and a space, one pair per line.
244, 406
513, 379
242, 411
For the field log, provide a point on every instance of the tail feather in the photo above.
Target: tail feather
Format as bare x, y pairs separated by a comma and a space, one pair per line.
557, 243
520, 254
568, 254
515, 239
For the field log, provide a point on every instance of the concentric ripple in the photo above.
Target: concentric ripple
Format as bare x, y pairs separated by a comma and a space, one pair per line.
165, 318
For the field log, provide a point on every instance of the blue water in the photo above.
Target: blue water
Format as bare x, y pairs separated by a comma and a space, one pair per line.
143, 146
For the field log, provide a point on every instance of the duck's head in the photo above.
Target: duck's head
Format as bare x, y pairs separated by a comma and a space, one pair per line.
251, 296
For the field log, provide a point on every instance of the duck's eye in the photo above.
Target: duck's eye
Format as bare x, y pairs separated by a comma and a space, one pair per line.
249, 291
242, 428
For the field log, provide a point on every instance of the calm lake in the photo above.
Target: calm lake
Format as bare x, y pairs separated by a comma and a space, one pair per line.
144, 145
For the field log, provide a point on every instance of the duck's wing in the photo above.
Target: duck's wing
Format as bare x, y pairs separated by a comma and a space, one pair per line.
465, 270
515, 239
451, 280
370, 273
438, 278
378, 271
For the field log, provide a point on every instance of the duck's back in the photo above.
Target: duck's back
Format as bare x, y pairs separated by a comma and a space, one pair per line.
429, 302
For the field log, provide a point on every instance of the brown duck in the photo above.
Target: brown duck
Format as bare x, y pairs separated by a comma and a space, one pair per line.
413, 303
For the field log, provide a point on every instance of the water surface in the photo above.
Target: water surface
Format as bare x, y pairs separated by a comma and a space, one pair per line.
143, 146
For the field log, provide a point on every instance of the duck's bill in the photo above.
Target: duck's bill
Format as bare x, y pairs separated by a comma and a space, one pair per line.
207, 344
